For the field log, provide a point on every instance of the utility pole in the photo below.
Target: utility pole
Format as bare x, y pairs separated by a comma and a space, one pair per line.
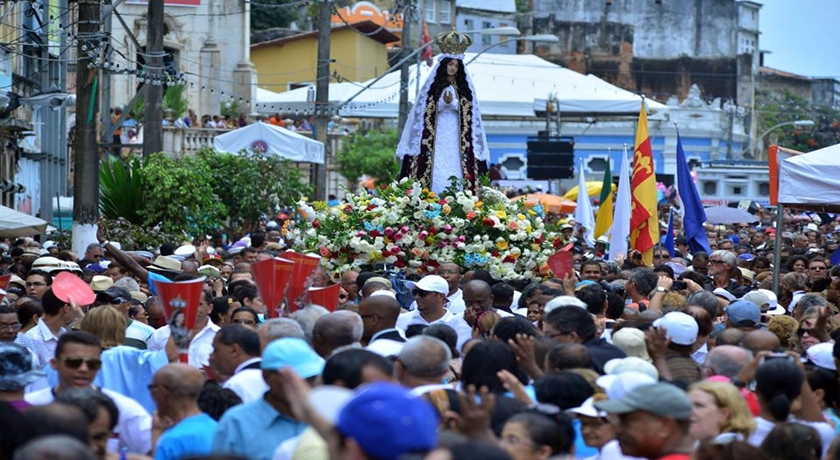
408, 11
153, 123
86, 149
322, 96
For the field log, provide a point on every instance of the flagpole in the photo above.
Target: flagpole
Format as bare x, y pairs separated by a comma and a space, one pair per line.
777, 246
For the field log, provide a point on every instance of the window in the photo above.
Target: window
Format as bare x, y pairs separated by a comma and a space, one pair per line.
431, 14
709, 188
486, 39
764, 188
445, 11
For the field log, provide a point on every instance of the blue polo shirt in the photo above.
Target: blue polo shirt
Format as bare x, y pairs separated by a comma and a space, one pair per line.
191, 437
253, 431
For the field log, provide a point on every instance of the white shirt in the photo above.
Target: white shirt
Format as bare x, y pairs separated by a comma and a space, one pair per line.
413, 317
43, 342
464, 330
248, 384
200, 346
763, 428
612, 451
456, 303
134, 427
699, 355
139, 331
795, 299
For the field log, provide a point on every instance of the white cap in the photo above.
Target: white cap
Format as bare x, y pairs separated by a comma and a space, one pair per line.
822, 355
630, 364
618, 385
681, 328
383, 292
721, 292
185, 250
588, 409
632, 342
430, 283
386, 347
775, 308
812, 227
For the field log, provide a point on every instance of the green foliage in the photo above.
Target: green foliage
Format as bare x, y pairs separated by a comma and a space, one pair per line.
179, 195
370, 153
135, 237
121, 190
251, 185
174, 100
230, 109
266, 15
773, 108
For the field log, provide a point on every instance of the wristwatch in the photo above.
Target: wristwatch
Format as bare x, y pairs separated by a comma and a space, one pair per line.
661, 289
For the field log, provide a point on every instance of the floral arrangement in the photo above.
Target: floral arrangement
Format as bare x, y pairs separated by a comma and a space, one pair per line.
408, 227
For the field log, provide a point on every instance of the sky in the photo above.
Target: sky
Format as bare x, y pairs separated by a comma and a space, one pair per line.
803, 36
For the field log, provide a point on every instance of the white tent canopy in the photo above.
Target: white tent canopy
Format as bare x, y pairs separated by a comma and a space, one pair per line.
14, 223
268, 139
508, 85
811, 180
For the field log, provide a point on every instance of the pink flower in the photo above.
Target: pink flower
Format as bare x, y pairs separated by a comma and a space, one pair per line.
389, 231
423, 235
447, 228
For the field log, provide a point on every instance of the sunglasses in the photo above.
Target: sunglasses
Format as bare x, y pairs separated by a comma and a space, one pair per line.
802, 331
243, 321
420, 293
74, 363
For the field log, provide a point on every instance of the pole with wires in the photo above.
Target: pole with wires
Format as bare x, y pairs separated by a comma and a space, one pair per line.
409, 11
322, 96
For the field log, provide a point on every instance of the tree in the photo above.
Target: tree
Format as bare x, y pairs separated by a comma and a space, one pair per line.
370, 153
272, 13
774, 108
121, 189
251, 185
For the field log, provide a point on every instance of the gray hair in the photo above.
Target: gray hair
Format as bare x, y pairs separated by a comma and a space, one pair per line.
722, 362
705, 300
54, 447
128, 283
563, 301
425, 356
810, 300
795, 281
645, 280
278, 328
306, 317
726, 256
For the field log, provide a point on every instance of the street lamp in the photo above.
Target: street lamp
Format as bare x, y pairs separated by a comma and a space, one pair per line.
545, 38
503, 31
797, 123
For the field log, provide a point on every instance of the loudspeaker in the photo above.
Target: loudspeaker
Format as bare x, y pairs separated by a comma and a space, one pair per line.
551, 158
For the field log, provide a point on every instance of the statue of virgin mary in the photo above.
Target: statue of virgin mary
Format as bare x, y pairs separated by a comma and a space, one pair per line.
444, 136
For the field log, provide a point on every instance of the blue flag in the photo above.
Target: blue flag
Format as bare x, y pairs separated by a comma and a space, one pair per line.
694, 215
669, 237
835, 257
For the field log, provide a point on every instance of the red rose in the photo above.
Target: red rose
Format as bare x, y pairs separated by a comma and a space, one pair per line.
494, 253
370, 207
433, 230
488, 222
557, 243
316, 223
383, 187
400, 263
348, 208
442, 202
509, 259
374, 233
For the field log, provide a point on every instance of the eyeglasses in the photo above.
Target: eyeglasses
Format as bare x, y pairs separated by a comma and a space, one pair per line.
802, 331
664, 256
74, 363
420, 293
717, 262
117, 301
816, 268
248, 322
9, 326
29, 285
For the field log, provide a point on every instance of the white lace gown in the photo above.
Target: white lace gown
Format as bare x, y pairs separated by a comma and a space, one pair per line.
447, 152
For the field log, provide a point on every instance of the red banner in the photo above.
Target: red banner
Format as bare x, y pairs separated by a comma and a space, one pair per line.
326, 297
4, 284
180, 300
272, 277
305, 266
68, 286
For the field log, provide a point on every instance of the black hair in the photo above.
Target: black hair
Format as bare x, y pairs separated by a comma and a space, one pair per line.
793, 259
6, 309
615, 305
362, 279
470, 450
415, 329
134, 309
257, 238
502, 293
528, 292
57, 418
485, 276
565, 390
249, 310
16, 431
567, 320
440, 82
594, 297
52, 304
793, 440
89, 401
508, 327
348, 366
826, 380
563, 356
249, 292
664, 269
235, 286
777, 383
221, 305
552, 430
247, 339
214, 400
484, 361
167, 249
48, 278
445, 333
595, 262
80, 337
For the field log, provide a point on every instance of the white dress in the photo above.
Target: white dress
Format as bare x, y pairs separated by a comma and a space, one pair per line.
447, 152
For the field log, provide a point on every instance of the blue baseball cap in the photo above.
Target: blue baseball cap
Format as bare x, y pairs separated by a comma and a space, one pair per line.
743, 313
17, 367
294, 353
388, 422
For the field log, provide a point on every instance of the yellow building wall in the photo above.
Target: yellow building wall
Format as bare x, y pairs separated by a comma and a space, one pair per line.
355, 57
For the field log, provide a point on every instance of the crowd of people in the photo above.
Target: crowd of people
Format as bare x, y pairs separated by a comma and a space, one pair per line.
696, 357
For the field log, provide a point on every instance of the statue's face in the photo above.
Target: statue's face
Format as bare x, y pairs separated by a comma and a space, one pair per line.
452, 67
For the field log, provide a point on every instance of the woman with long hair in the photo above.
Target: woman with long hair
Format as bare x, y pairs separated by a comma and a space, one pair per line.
719, 413
444, 136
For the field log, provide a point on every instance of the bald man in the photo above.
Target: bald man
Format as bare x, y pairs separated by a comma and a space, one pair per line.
478, 299
761, 340
726, 360
379, 319
337, 330
175, 389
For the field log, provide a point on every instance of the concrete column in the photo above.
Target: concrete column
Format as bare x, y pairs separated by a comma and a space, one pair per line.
211, 64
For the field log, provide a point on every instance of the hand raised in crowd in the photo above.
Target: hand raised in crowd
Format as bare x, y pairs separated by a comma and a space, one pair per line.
513, 385
476, 410
523, 346
664, 282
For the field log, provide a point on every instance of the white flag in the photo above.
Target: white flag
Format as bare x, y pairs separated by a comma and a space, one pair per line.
621, 217
583, 212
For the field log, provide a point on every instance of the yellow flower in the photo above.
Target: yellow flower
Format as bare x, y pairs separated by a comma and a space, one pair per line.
501, 245
520, 217
529, 229
532, 212
446, 209
478, 204
431, 194
501, 214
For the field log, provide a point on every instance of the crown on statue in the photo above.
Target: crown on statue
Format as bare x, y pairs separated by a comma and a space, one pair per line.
453, 42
